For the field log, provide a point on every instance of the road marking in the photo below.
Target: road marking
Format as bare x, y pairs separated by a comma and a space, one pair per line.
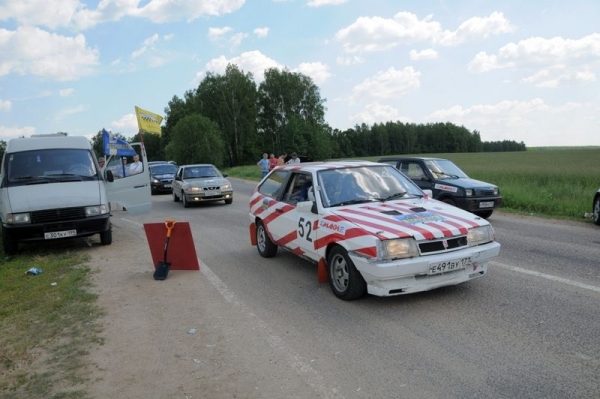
546, 276
304, 369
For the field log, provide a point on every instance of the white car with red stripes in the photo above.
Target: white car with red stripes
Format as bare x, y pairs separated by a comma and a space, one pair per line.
369, 228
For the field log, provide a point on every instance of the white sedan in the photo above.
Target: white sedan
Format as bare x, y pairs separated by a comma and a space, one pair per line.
369, 228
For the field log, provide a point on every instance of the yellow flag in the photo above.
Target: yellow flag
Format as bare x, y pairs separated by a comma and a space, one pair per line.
148, 121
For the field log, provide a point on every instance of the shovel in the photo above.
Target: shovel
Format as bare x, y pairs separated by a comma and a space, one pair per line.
162, 267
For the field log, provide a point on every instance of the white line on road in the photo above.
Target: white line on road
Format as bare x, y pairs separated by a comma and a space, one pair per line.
304, 369
546, 276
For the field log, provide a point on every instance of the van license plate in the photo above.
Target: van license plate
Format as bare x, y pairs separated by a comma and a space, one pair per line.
449, 265
60, 234
486, 204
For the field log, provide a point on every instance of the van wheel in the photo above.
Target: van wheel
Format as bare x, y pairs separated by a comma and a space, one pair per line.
9, 245
345, 281
106, 237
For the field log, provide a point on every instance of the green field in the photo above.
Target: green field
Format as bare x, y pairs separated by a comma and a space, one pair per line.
545, 181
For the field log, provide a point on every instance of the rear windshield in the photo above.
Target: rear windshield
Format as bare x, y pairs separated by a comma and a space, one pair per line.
49, 166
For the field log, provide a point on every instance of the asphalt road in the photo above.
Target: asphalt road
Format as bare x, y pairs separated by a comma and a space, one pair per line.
529, 329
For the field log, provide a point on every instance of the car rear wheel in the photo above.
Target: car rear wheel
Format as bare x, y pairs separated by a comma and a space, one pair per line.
345, 281
596, 215
266, 247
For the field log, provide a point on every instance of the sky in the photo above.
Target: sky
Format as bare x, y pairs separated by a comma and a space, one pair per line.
512, 70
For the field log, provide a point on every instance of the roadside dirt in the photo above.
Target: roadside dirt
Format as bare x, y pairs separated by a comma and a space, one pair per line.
178, 338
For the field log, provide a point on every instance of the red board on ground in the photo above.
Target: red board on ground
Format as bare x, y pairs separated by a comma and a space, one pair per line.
181, 253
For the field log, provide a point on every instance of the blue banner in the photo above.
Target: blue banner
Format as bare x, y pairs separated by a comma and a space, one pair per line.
112, 145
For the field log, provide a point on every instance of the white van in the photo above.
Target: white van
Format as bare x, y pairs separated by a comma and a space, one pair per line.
52, 187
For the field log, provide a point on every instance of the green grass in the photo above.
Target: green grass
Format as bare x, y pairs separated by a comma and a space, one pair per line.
46, 329
545, 181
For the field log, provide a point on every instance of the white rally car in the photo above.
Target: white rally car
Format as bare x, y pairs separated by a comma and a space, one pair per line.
369, 228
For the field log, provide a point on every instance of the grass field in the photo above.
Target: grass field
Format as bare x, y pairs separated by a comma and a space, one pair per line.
545, 181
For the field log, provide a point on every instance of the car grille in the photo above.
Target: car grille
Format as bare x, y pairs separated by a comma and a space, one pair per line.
57, 215
484, 192
212, 188
451, 244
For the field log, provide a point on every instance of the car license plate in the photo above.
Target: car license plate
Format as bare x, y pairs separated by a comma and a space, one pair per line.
167, 186
449, 265
60, 234
486, 204
214, 192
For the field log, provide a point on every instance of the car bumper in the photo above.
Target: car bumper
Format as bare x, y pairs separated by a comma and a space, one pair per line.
411, 275
36, 232
162, 187
201, 197
479, 203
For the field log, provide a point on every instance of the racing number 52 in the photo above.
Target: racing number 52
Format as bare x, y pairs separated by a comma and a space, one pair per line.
301, 232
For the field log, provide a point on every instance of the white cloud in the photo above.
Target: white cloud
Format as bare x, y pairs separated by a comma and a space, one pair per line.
378, 33
427, 54
5, 105
216, 33
7, 133
126, 125
318, 71
388, 84
378, 113
534, 121
254, 62
62, 114
66, 92
320, 3
261, 32
148, 44
74, 13
60, 57
237, 39
349, 60
537, 51
553, 76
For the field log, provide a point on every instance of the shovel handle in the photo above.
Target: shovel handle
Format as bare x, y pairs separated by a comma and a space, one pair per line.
169, 224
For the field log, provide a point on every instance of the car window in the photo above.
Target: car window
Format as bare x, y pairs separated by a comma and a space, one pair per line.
297, 190
444, 169
273, 185
197, 172
163, 169
413, 170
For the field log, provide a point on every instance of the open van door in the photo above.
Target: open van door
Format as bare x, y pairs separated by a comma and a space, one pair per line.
127, 191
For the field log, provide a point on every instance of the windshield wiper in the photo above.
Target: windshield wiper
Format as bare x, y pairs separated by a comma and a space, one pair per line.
355, 201
393, 196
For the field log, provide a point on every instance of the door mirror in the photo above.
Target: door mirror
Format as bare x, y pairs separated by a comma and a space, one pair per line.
428, 194
109, 176
307, 206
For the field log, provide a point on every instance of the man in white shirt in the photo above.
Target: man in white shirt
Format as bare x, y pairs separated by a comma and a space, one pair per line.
136, 166
294, 159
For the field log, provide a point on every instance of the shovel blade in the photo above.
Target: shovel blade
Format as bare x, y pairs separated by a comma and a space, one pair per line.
161, 271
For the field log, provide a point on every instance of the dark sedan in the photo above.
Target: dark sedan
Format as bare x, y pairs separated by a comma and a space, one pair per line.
161, 177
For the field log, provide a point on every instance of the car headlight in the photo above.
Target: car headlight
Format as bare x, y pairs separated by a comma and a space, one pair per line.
398, 248
480, 235
496, 191
226, 187
468, 192
192, 189
18, 218
155, 180
96, 210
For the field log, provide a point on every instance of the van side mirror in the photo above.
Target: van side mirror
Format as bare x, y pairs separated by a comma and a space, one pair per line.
109, 176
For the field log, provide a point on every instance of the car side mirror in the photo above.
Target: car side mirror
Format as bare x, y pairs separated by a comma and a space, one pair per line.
109, 176
428, 194
306, 206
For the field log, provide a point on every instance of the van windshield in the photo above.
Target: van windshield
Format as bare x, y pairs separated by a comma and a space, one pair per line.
49, 166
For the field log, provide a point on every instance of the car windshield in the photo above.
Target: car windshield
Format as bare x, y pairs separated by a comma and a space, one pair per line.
49, 166
444, 169
196, 172
362, 184
163, 169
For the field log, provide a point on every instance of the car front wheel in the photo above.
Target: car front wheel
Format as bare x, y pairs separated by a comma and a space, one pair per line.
106, 237
345, 281
266, 247
596, 215
175, 198
186, 204
9, 245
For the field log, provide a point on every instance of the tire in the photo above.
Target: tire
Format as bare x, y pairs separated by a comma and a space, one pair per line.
9, 245
229, 201
186, 204
106, 237
266, 248
484, 214
596, 215
175, 198
345, 281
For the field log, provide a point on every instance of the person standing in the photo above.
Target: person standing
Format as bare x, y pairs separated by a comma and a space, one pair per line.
263, 164
281, 159
294, 159
272, 161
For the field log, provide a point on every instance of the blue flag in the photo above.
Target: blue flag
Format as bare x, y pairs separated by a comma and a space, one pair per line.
112, 145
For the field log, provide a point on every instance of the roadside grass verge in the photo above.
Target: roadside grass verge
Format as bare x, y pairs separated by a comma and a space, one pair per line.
554, 182
48, 323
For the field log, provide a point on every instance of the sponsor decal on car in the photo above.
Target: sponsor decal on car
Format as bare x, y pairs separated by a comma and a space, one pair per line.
332, 226
444, 187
